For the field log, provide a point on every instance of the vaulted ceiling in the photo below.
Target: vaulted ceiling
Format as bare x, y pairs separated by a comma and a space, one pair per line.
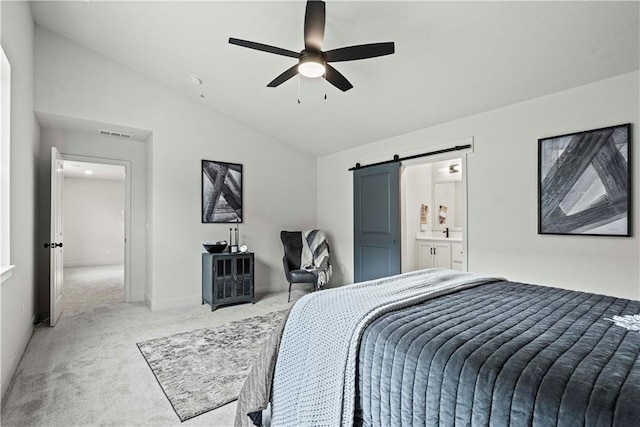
453, 59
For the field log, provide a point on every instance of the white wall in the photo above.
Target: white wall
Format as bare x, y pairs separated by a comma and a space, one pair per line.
502, 190
279, 181
416, 191
93, 221
17, 294
148, 201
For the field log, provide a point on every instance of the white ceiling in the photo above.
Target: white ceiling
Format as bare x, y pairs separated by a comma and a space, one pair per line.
452, 59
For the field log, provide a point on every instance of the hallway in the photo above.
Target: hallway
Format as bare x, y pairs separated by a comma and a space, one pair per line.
90, 287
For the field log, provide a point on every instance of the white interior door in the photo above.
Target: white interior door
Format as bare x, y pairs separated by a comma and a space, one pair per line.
56, 239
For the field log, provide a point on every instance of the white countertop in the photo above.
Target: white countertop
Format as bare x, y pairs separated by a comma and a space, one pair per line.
442, 238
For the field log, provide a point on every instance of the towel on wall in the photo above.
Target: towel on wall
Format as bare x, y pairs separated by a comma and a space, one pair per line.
315, 255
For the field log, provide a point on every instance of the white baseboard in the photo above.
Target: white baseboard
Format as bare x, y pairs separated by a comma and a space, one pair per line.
93, 263
147, 301
7, 375
137, 298
156, 305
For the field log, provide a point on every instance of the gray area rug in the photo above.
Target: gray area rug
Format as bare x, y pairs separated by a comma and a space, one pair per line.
204, 369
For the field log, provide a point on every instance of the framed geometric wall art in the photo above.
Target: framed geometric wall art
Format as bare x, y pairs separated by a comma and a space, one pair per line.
221, 192
584, 183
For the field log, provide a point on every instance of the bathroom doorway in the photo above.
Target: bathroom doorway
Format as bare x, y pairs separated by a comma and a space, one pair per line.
434, 212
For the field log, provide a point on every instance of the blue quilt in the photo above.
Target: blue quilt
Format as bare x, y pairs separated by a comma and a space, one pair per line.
314, 380
501, 354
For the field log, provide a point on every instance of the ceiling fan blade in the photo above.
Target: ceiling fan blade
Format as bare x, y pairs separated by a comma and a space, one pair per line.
263, 47
362, 51
334, 77
284, 76
314, 19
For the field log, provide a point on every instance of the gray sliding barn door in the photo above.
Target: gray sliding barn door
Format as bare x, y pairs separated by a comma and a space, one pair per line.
376, 221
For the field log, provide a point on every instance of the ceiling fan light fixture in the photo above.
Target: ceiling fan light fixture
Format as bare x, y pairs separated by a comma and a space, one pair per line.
311, 67
313, 62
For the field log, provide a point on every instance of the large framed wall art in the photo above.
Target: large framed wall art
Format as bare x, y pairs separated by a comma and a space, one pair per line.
221, 192
584, 183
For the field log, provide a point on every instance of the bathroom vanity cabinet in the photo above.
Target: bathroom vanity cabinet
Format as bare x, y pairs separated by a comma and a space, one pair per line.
440, 253
456, 256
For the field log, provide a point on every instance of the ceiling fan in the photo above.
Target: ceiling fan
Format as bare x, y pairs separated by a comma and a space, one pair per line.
312, 60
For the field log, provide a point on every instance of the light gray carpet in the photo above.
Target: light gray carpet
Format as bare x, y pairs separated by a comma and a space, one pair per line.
87, 370
204, 369
90, 287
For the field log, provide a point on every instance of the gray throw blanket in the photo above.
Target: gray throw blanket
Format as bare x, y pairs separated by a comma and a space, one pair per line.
315, 256
255, 394
314, 378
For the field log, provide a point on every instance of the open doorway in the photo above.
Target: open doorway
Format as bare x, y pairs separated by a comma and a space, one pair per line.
434, 213
94, 225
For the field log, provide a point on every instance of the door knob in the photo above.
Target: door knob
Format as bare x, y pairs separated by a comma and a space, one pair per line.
46, 245
57, 245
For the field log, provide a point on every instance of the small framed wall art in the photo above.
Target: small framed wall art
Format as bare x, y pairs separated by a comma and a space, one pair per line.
221, 192
584, 183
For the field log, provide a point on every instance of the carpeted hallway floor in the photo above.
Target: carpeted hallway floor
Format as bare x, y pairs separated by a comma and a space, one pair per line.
87, 370
86, 288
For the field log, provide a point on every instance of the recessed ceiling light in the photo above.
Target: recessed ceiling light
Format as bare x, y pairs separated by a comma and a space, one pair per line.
88, 172
195, 79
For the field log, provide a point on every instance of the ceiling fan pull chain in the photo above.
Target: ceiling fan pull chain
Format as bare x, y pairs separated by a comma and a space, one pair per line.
324, 83
299, 78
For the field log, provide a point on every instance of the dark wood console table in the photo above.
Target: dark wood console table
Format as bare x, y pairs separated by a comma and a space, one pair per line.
227, 278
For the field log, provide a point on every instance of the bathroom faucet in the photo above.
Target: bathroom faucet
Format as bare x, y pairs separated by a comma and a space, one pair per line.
446, 232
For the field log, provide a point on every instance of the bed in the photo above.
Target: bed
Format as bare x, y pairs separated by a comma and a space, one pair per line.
438, 347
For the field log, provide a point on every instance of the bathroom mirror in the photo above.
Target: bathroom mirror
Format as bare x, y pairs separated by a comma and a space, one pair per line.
447, 205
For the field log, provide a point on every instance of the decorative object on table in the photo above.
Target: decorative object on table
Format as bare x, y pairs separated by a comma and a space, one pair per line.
243, 248
442, 215
227, 278
424, 211
232, 248
204, 369
215, 248
221, 192
584, 183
